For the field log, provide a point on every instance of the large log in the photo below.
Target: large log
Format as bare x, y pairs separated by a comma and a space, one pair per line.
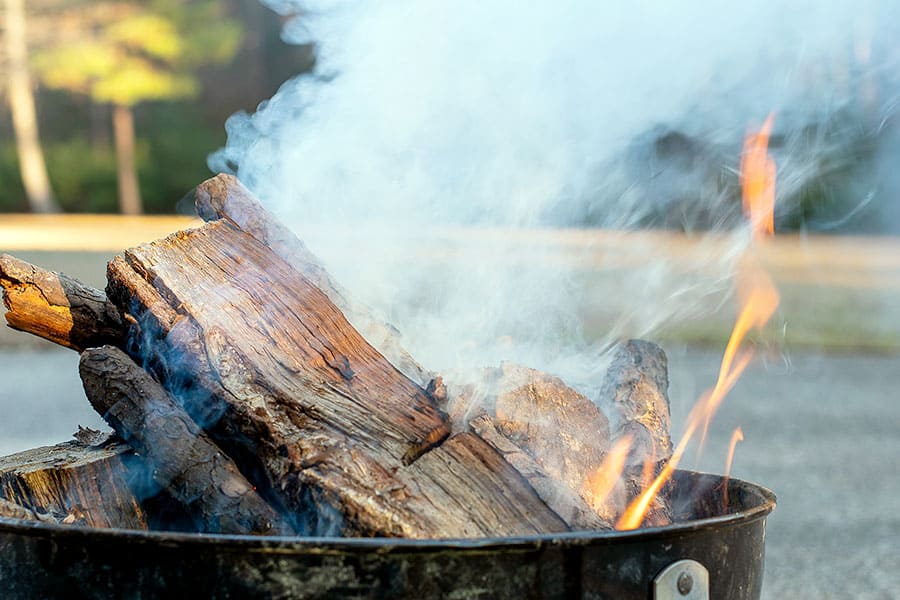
271, 367
224, 197
56, 307
181, 458
74, 483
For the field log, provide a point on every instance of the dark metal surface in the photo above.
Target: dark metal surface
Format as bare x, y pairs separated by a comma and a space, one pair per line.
38, 560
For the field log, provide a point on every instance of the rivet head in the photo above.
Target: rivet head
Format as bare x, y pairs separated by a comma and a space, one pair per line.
685, 583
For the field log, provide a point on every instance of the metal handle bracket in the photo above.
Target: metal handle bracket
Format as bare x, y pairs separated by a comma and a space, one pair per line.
682, 580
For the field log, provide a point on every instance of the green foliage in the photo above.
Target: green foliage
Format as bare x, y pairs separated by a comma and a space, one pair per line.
137, 51
171, 160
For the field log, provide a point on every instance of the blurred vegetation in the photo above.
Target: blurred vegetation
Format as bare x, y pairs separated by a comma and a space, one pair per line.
180, 67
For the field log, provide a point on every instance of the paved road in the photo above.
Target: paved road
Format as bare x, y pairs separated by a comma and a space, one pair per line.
822, 432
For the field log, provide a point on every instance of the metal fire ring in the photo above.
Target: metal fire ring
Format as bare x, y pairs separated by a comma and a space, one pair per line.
682, 580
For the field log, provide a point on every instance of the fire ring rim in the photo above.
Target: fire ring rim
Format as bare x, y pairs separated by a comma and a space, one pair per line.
758, 510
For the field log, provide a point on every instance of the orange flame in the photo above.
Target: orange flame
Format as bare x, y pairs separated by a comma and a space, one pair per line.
757, 298
736, 436
603, 480
758, 181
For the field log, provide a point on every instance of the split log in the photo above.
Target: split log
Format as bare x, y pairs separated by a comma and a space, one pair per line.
56, 307
553, 435
75, 484
182, 459
634, 396
272, 368
224, 197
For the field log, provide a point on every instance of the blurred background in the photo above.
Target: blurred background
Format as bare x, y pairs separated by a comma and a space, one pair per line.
114, 106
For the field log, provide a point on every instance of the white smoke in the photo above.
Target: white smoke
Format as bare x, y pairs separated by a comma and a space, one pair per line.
422, 115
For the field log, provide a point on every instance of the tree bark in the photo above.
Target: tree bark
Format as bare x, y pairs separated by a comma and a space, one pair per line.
182, 459
123, 131
57, 308
32, 166
267, 363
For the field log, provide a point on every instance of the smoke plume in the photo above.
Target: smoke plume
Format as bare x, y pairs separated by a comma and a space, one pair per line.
508, 117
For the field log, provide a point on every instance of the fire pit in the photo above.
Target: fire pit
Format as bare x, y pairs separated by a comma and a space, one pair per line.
727, 546
275, 439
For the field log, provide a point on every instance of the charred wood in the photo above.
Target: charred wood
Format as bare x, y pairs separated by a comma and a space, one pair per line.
634, 396
550, 433
11, 510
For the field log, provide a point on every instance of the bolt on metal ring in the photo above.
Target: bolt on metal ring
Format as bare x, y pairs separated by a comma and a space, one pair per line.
685, 583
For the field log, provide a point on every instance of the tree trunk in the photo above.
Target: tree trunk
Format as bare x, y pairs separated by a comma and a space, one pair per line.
123, 129
21, 104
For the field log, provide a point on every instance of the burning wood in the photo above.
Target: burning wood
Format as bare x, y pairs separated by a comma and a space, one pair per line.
223, 197
243, 334
634, 396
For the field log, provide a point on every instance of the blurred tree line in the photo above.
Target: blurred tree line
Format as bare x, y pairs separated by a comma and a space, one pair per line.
114, 105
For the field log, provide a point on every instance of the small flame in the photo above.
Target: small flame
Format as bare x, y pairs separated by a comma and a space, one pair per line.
758, 181
757, 298
736, 436
601, 483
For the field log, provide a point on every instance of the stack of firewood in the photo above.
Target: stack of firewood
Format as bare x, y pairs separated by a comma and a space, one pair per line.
225, 360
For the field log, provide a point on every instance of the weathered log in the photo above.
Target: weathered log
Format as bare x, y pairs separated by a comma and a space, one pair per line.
634, 396
553, 435
56, 307
75, 484
182, 458
224, 197
272, 368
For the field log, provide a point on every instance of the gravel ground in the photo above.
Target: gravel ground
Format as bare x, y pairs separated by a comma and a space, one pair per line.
823, 432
